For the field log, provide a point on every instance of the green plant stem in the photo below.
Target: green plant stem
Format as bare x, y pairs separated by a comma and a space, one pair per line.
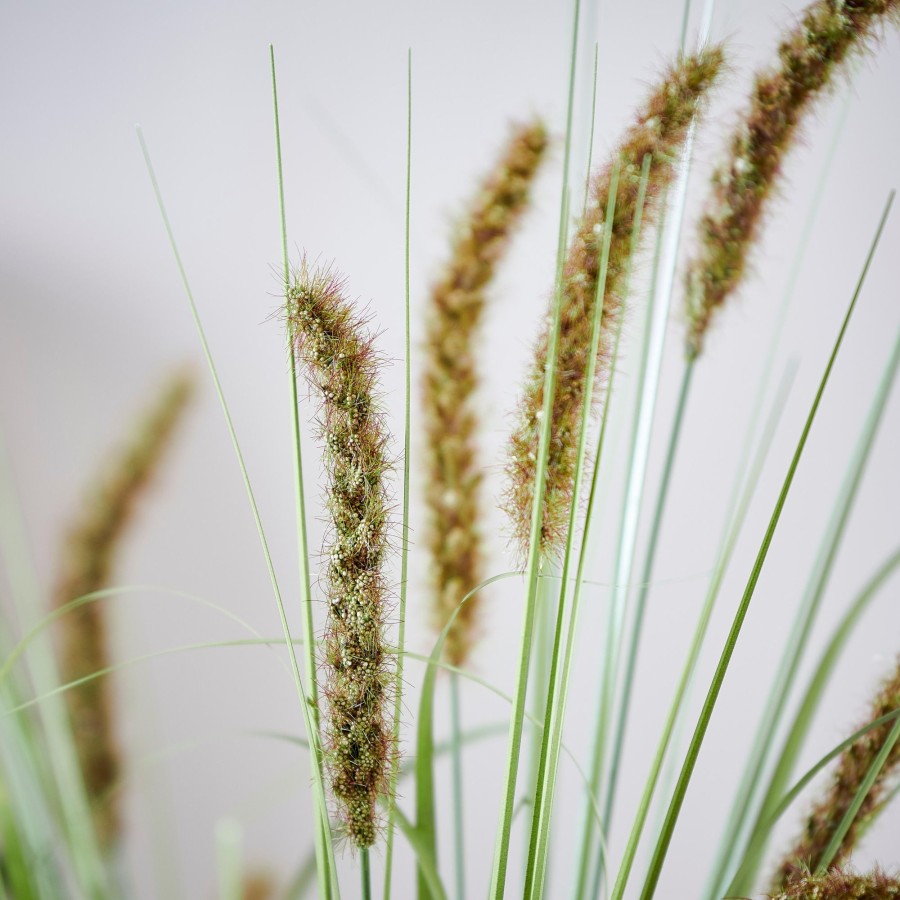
501, 850
643, 591
730, 843
554, 710
805, 617
306, 620
459, 833
690, 761
404, 541
318, 785
736, 520
365, 874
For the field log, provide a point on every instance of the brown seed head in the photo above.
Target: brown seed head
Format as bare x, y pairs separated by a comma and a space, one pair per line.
339, 360
659, 131
828, 32
452, 491
841, 885
90, 552
852, 767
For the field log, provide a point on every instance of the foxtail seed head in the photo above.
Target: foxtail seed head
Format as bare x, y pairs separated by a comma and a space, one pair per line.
828, 32
339, 360
659, 131
90, 552
456, 309
852, 767
841, 885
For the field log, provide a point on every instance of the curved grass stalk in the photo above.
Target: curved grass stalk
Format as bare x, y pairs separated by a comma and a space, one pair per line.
546, 769
729, 841
805, 617
306, 620
318, 784
690, 761
675, 709
404, 537
559, 680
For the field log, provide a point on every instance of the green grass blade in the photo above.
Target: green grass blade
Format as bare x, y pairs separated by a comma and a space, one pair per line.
646, 415
54, 740
802, 721
424, 859
404, 534
678, 700
805, 617
690, 761
306, 620
459, 832
318, 784
501, 849
555, 707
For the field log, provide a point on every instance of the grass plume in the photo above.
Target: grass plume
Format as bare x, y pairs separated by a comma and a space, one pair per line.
339, 360
90, 554
852, 768
841, 885
456, 310
659, 131
808, 56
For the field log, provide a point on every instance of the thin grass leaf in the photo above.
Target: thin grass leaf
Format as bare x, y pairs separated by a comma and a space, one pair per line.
404, 537
323, 861
309, 724
557, 691
687, 673
806, 614
690, 761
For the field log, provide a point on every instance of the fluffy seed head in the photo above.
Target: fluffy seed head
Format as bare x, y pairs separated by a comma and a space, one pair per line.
841, 885
852, 767
828, 32
659, 131
338, 357
90, 552
450, 381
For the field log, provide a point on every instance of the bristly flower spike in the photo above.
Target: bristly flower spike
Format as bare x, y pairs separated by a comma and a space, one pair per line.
456, 310
852, 768
827, 34
838, 884
87, 566
339, 361
659, 131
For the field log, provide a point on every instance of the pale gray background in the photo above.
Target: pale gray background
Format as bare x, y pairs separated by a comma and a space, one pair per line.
92, 313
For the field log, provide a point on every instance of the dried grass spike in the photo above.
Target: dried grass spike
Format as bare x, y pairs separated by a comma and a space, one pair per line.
91, 546
341, 365
828, 32
457, 304
841, 885
659, 131
852, 767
